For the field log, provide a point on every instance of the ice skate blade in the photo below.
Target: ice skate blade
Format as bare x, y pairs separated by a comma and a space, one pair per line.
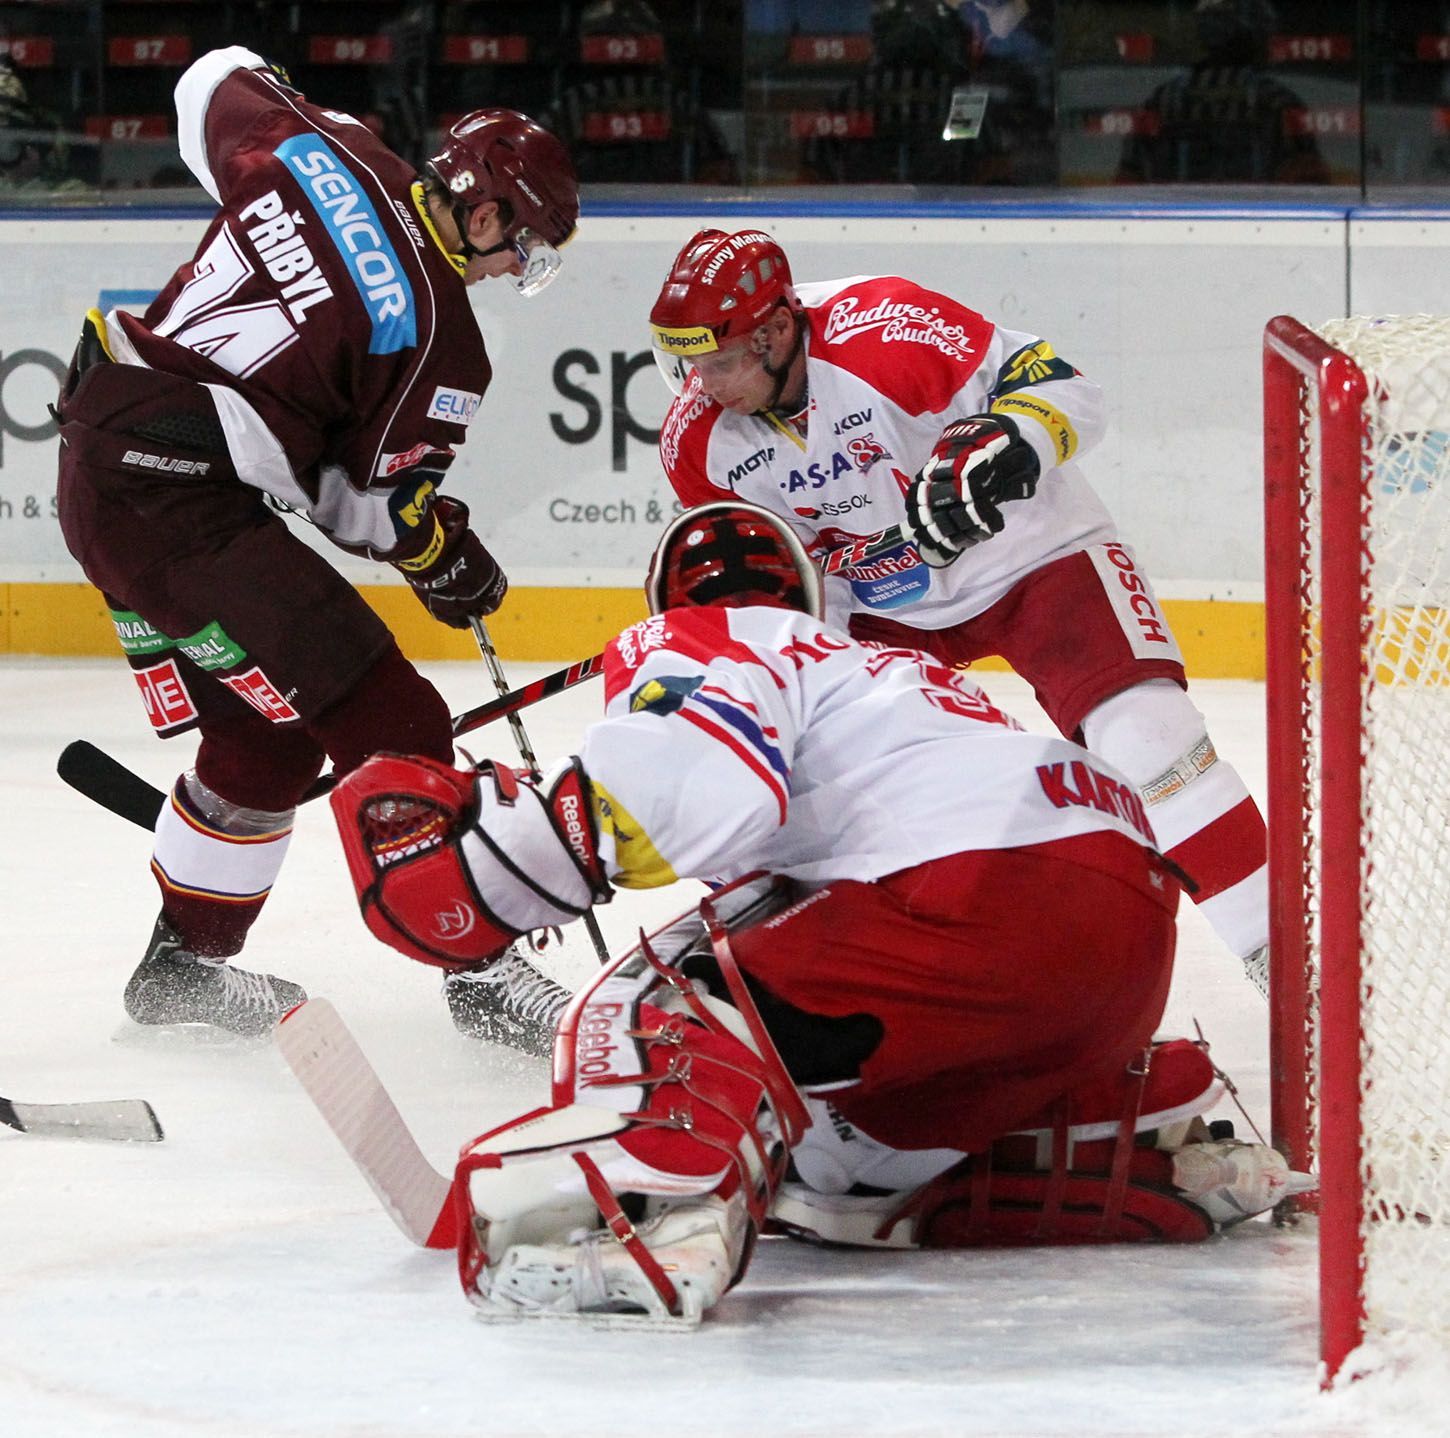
130, 1034
654, 1322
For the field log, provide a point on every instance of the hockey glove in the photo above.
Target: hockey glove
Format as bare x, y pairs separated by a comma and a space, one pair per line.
955, 501
454, 577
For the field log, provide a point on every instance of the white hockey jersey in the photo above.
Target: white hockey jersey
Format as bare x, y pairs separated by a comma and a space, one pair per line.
761, 738
888, 365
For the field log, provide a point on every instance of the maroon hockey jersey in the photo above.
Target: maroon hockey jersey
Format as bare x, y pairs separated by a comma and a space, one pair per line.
322, 312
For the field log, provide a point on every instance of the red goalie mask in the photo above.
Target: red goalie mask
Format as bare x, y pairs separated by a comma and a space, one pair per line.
732, 554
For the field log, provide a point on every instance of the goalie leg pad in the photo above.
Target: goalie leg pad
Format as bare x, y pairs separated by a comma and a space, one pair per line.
543, 1232
649, 1208
1154, 1175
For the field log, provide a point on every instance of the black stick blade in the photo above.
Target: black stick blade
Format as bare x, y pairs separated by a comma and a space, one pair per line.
92, 772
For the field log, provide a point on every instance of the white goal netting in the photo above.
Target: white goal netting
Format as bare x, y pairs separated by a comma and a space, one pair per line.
1403, 719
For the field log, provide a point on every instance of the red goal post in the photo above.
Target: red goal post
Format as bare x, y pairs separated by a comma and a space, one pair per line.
1357, 600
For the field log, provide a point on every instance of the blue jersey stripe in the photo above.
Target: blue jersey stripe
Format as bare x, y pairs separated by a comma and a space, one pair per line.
748, 729
342, 205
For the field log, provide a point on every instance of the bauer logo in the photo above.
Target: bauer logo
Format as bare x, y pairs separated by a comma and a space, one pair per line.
458, 406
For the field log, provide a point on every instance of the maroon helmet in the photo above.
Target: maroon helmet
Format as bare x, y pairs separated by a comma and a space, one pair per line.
720, 289
732, 554
503, 155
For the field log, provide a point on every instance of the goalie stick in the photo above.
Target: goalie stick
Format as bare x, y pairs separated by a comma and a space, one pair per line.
345, 1087
107, 782
122, 1120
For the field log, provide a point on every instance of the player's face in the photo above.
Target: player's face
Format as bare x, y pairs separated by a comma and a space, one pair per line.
735, 378
485, 231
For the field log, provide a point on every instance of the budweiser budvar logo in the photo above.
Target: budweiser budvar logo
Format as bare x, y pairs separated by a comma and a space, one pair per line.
897, 320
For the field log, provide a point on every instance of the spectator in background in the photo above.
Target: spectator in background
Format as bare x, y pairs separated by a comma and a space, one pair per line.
636, 121
1226, 119
1011, 47
32, 144
958, 93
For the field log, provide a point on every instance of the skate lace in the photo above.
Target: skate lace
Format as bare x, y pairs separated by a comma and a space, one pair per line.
243, 989
525, 991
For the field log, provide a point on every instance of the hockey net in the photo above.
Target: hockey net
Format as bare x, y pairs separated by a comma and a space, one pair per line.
1357, 493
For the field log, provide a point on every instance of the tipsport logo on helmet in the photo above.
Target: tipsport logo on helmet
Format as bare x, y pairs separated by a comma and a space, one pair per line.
357, 233
695, 340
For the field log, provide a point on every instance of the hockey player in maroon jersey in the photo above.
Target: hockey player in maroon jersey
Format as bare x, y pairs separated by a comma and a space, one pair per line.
919, 1013
848, 406
318, 353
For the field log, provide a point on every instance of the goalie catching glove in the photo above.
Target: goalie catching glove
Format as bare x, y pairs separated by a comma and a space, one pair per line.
425, 843
455, 578
955, 501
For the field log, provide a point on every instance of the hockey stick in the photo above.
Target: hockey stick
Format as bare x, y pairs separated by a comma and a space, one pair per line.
526, 753
107, 782
859, 551
345, 1087
123, 1120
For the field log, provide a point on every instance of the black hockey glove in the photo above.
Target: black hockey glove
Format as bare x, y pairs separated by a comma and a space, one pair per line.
455, 577
955, 501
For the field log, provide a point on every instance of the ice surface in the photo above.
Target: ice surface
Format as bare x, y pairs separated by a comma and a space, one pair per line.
239, 1278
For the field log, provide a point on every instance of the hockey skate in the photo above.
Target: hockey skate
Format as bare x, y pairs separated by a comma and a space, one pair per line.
1256, 966
171, 985
510, 1002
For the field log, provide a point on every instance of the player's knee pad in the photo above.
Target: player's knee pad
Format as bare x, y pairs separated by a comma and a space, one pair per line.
215, 863
1154, 733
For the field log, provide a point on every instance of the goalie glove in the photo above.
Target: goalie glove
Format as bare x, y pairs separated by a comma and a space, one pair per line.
955, 501
451, 866
455, 578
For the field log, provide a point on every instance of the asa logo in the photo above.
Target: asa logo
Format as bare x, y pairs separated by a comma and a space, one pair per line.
815, 476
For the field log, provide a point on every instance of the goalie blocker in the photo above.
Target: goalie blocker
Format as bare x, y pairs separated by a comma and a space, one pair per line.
693, 1106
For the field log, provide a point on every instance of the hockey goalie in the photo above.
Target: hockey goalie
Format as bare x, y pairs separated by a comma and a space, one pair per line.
917, 1011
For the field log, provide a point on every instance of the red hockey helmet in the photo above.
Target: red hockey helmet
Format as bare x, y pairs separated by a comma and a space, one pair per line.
732, 554
720, 289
